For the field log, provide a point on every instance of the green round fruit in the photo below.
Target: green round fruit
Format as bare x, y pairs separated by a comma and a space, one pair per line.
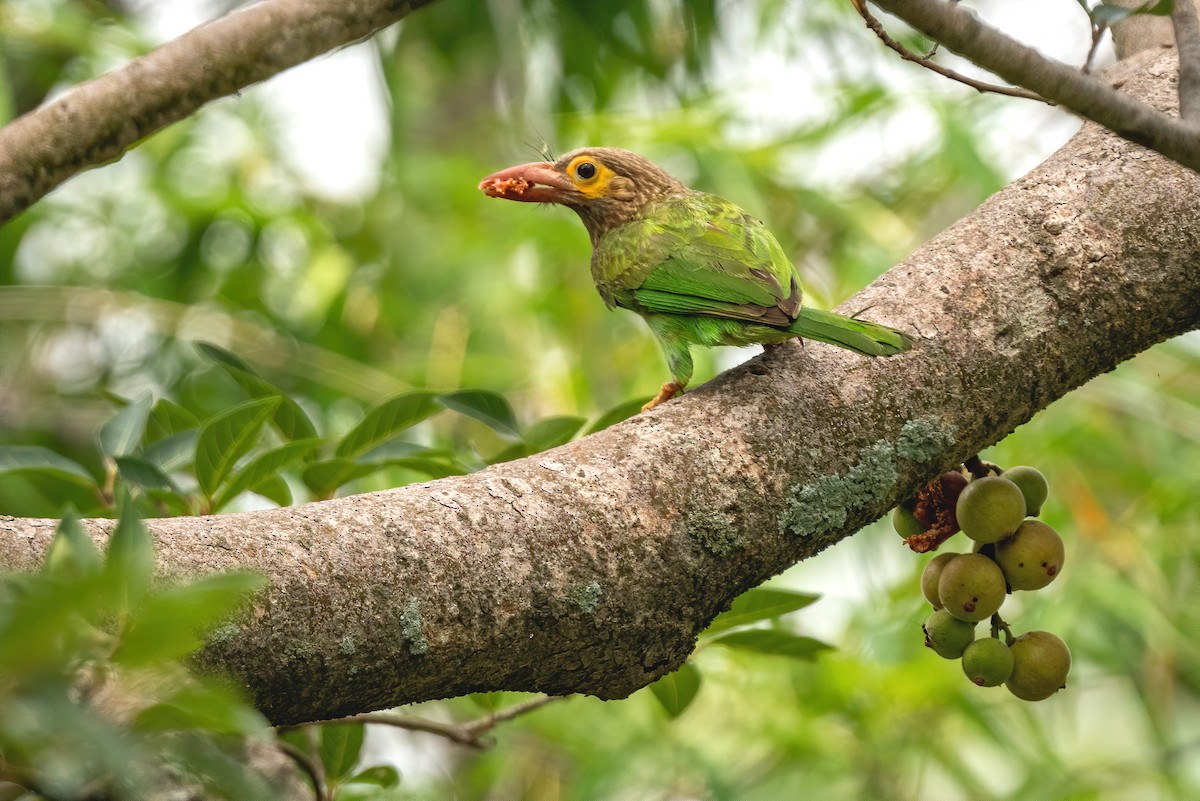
987, 662
971, 587
1033, 486
1041, 662
906, 523
947, 635
1032, 557
930, 576
990, 509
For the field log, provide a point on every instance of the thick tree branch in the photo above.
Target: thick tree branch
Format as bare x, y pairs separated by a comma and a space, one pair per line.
959, 29
96, 122
591, 568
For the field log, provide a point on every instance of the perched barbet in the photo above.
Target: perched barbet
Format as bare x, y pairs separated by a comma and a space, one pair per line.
699, 269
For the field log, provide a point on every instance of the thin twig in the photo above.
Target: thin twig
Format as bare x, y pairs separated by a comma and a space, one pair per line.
306, 764
1187, 40
1091, 98
981, 86
1098, 31
469, 734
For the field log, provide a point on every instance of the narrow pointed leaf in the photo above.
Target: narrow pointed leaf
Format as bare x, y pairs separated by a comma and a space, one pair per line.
168, 418
122, 433
227, 438
489, 408
129, 558
274, 488
386, 421
142, 473
758, 604
616, 414
551, 432
327, 475
773, 641
71, 554
36, 459
223, 358
264, 466
173, 452
377, 775
341, 745
676, 691
289, 419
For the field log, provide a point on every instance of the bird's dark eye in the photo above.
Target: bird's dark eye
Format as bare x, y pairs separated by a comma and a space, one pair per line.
586, 170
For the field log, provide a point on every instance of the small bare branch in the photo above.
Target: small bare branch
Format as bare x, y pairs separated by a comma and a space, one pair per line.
1085, 95
926, 61
470, 734
1187, 40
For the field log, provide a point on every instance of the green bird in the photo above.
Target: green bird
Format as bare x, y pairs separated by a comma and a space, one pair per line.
699, 269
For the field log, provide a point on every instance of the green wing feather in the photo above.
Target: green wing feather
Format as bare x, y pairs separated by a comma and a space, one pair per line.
696, 254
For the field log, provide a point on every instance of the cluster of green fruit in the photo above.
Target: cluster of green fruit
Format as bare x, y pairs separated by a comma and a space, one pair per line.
1012, 552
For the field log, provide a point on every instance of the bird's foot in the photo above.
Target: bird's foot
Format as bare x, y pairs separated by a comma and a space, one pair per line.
668, 391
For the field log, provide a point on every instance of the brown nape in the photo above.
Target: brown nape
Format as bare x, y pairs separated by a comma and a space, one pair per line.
639, 181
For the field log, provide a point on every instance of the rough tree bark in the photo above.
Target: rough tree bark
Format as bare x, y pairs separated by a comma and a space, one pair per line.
592, 567
98, 121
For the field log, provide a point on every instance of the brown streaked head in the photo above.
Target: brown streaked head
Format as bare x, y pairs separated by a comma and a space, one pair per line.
606, 186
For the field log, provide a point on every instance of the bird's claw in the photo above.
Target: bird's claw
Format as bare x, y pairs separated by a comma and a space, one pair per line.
668, 391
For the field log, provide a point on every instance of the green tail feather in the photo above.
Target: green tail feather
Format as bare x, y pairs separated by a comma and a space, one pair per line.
860, 336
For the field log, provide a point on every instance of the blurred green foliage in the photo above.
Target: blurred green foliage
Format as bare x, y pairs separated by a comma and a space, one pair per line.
95, 699
417, 329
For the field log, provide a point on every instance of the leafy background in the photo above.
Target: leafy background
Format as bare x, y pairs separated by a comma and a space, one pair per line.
320, 304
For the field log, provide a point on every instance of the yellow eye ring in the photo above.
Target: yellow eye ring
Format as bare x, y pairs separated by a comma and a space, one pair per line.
585, 170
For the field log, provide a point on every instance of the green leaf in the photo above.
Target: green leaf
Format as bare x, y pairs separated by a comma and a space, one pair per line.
618, 413
122, 433
676, 691
36, 459
289, 419
172, 624
129, 558
142, 473
264, 466
488, 702
341, 744
274, 488
379, 775
773, 641
209, 706
223, 358
173, 452
758, 604
72, 553
487, 407
386, 421
327, 475
168, 418
227, 438
551, 432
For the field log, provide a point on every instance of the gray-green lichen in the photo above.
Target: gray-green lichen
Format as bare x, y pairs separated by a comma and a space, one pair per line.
587, 596
713, 532
412, 628
825, 504
222, 634
923, 438
347, 646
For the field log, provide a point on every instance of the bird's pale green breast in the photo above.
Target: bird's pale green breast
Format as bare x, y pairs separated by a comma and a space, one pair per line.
696, 254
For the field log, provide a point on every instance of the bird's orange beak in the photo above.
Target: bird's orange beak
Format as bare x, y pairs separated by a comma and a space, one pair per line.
537, 182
